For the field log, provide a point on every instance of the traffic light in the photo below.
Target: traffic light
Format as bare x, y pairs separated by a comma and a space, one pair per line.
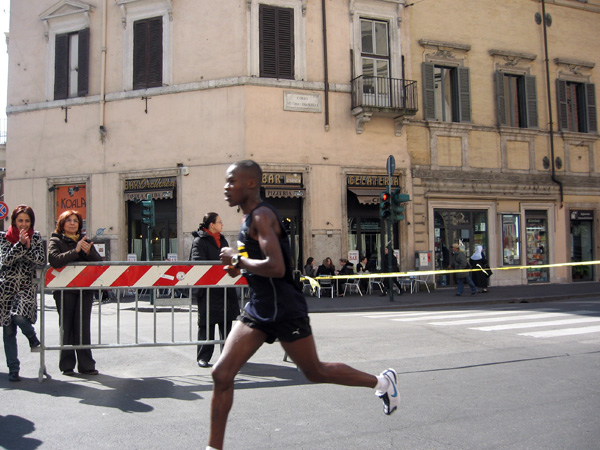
148, 212
385, 205
398, 200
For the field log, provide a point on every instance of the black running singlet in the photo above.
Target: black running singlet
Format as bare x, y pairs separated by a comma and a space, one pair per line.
271, 299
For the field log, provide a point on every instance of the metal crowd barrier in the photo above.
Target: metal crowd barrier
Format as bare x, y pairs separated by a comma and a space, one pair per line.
140, 293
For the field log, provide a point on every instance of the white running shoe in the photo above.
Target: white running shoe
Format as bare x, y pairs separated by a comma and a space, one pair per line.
391, 396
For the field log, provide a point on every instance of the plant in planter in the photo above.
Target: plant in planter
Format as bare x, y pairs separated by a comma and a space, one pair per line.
580, 272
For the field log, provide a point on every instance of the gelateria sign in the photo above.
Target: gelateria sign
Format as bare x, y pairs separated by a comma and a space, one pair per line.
158, 188
368, 188
282, 185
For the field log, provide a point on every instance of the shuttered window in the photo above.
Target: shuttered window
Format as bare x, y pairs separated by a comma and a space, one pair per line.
577, 110
71, 64
446, 93
516, 100
147, 53
276, 29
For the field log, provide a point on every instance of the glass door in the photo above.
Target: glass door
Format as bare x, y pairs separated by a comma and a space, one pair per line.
536, 231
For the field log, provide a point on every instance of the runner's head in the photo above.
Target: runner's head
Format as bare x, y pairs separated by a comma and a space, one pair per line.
242, 182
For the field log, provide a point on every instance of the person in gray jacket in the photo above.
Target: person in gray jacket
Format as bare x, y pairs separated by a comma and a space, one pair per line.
461, 263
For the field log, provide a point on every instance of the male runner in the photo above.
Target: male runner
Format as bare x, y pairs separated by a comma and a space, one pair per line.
277, 309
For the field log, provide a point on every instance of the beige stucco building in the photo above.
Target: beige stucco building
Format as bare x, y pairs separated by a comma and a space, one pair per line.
113, 100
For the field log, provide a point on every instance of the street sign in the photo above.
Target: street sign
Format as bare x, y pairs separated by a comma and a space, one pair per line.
3, 210
391, 165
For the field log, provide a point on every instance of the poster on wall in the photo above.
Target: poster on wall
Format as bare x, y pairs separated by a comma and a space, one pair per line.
71, 197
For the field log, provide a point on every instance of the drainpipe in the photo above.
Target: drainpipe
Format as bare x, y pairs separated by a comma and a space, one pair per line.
325, 68
103, 73
548, 94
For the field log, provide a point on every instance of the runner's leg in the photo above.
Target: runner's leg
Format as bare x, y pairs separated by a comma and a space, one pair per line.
304, 353
242, 342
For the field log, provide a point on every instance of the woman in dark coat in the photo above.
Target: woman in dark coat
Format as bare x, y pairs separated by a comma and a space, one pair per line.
67, 245
207, 245
478, 260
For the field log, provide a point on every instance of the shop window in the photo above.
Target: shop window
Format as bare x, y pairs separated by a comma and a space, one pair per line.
516, 98
511, 240
577, 110
446, 91
71, 64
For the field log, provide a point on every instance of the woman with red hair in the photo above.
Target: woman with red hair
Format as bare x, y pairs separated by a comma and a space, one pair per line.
68, 244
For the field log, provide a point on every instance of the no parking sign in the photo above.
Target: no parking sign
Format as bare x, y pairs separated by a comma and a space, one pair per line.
3, 210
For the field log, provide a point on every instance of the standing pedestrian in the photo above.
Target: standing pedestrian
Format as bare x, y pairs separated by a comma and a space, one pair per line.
481, 277
69, 244
276, 310
385, 268
21, 249
461, 263
216, 306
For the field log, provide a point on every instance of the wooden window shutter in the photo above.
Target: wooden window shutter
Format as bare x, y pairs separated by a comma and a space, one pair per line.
428, 91
531, 101
155, 52
464, 95
591, 110
276, 30
61, 67
83, 62
500, 98
147, 53
561, 94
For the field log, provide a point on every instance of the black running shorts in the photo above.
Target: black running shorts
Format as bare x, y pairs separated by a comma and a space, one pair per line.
286, 331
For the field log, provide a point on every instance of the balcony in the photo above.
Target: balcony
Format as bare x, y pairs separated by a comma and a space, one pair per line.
383, 97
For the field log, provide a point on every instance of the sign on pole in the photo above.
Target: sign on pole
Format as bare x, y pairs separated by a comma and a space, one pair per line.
3, 210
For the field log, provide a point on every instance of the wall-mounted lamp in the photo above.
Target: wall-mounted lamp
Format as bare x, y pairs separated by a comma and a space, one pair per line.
185, 170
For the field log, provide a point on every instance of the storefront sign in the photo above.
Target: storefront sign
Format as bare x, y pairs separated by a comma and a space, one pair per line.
73, 197
144, 184
284, 193
272, 179
582, 215
371, 181
158, 188
282, 185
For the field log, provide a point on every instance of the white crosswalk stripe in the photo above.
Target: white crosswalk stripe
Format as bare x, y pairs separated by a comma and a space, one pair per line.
558, 323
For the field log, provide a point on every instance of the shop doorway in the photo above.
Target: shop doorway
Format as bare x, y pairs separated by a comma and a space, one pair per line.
467, 228
582, 244
536, 233
162, 237
290, 211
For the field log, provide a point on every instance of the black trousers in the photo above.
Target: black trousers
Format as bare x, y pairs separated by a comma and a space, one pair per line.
75, 314
205, 352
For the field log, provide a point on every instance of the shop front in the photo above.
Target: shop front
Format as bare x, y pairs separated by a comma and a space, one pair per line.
467, 228
582, 243
158, 242
285, 191
366, 230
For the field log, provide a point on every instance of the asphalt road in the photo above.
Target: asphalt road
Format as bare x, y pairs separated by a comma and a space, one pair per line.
464, 385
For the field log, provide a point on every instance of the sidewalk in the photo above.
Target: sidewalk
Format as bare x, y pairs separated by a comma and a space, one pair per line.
445, 297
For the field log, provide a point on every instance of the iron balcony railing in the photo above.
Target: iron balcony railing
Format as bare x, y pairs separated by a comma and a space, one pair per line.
386, 94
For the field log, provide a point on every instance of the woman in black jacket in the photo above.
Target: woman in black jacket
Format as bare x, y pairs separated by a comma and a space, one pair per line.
68, 244
207, 245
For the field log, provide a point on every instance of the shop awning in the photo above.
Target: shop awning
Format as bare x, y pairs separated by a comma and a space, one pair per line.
367, 196
284, 193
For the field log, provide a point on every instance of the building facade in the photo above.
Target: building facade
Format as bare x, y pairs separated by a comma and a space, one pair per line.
504, 149
114, 101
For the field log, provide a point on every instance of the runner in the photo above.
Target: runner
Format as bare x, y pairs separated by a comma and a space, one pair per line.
277, 308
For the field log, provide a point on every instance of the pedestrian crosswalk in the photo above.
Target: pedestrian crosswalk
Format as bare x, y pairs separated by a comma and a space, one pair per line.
531, 322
